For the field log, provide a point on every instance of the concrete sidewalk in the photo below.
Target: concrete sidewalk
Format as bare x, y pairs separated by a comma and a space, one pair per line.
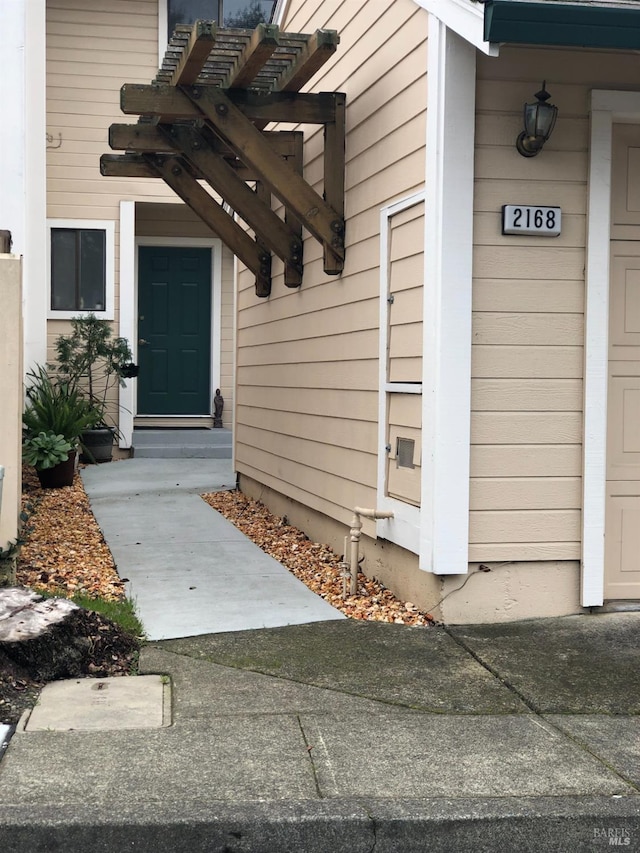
322, 734
350, 736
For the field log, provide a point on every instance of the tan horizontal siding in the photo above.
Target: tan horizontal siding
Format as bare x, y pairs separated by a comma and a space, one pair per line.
360, 405
91, 52
525, 295
164, 220
526, 460
528, 326
352, 374
327, 458
511, 263
525, 395
328, 486
344, 432
528, 362
495, 128
488, 232
311, 350
525, 526
332, 321
489, 428
347, 493
527, 551
504, 493
500, 328
491, 193
308, 360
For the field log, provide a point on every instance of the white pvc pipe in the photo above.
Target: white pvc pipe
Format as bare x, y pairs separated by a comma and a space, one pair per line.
354, 536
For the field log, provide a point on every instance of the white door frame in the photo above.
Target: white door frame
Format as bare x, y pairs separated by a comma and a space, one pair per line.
129, 245
607, 107
404, 527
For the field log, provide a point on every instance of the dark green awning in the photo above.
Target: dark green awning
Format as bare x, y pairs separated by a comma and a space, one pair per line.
554, 22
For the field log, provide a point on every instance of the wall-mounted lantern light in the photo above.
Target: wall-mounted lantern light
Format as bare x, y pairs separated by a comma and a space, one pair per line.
539, 120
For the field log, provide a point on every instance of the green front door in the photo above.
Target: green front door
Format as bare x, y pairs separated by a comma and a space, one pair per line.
174, 331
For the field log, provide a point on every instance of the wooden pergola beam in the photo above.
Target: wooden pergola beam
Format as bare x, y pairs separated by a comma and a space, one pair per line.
292, 221
264, 41
334, 166
171, 103
319, 49
201, 122
271, 231
126, 166
199, 45
175, 173
149, 138
318, 217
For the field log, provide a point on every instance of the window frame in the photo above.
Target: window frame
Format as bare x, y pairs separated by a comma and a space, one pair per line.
163, 23
106, 225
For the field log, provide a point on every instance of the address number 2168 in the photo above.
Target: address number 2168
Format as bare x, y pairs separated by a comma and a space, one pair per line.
530, 219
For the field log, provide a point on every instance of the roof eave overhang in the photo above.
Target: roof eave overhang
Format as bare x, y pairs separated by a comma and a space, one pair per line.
562, 24
463, 17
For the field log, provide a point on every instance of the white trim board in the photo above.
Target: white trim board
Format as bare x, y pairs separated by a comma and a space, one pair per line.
607, 107
446, 410
128, 327
443, 517
23, 159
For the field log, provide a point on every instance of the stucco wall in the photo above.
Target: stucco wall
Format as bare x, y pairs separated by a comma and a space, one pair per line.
10, 393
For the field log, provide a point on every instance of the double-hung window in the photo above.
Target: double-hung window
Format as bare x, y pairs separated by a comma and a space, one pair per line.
81, 267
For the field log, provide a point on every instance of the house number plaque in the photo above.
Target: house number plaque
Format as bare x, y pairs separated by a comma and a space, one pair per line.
531, 219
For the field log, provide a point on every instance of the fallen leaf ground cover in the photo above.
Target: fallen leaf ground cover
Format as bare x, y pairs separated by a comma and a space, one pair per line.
65, 552
315, 564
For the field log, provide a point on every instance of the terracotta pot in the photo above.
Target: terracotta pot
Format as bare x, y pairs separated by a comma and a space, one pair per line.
60, 475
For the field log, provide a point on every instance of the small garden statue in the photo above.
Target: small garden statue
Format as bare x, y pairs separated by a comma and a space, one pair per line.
218, 406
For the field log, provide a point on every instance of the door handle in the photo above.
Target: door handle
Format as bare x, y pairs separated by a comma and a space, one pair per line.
142, 342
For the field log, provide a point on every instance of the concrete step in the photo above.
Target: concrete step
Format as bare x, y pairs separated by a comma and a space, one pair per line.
182, 443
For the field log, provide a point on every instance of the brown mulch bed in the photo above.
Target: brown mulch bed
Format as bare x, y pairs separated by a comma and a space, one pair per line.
65, 552
314, 564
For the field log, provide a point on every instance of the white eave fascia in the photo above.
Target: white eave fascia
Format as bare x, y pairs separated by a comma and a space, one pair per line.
463, 17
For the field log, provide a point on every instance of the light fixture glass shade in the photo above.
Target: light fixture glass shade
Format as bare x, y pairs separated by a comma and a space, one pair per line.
539, 120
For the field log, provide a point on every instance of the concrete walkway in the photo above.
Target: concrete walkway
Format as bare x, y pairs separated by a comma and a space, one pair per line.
189, 570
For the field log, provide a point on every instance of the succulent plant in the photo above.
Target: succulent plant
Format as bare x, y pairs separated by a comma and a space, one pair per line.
45, 450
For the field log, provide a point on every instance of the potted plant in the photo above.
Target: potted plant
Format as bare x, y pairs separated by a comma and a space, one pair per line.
52, 456
52, 405
91, 361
